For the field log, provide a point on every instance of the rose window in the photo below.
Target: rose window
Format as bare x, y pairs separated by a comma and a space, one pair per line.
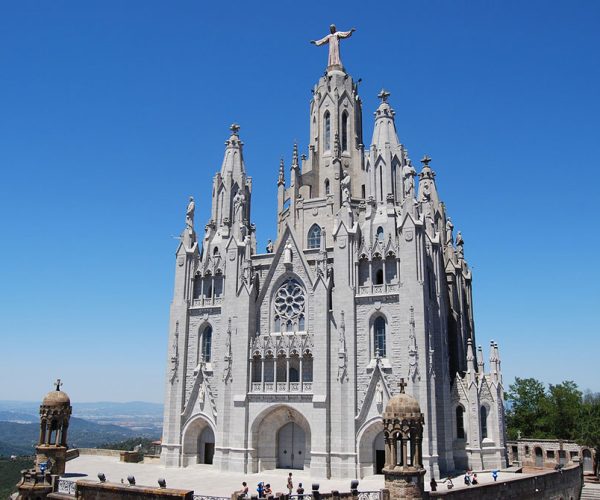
289, 301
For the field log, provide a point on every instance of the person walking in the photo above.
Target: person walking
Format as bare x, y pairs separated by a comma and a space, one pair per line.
290, 484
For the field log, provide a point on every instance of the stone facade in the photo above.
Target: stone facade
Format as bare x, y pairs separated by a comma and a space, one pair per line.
286, 359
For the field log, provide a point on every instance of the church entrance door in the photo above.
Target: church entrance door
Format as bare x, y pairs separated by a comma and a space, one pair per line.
290, 447
379, 446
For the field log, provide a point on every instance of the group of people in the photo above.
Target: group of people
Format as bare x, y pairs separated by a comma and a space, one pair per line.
471, 478
265, 490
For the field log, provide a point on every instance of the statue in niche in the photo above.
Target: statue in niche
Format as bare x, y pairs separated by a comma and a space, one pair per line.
238, 207
201, 393
189, 214
408, 179
379, 394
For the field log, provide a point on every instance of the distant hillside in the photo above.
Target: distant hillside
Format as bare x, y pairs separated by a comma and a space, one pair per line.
21, 438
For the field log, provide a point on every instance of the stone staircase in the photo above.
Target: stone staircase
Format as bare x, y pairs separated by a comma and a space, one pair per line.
590, 491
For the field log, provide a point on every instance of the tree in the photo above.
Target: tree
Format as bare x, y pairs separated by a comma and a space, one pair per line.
527, 409
564, 410
589, 425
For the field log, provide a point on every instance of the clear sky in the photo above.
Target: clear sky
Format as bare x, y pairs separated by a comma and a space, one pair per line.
112, 113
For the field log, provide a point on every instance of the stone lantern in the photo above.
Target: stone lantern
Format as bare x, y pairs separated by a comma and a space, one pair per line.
403, 433
51, 451
55, 412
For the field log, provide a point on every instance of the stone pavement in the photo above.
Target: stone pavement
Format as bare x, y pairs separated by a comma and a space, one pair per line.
203, 479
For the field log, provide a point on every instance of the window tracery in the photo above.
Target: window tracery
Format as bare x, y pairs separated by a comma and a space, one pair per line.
289, 306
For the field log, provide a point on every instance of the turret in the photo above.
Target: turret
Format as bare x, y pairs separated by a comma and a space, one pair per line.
386, 157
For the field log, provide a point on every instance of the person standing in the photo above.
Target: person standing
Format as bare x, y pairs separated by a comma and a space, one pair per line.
433, 484
290, 484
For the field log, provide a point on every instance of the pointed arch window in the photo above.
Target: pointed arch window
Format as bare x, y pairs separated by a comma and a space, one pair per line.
206, 344
314, 236
460, 422
345, 131
483, 414
327, 130
327, 189
379, 337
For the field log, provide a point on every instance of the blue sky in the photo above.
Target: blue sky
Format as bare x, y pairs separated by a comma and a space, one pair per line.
112, 113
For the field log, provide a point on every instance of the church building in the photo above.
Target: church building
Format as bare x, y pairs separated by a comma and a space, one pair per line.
287, 358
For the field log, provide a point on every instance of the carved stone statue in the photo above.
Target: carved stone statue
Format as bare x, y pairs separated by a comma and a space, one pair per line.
449, 229
459, 239
189, 214
287, 253
333, 39
379, 394
408, 179
238, 210
345, 185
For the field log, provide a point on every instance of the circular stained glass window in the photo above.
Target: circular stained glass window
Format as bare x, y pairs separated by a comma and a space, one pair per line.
289, 300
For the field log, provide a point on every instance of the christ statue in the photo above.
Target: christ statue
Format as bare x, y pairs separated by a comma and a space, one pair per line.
333, 40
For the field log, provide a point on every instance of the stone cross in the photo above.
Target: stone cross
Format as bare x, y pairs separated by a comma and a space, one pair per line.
383, 95
235, 128
58, 383
402, 384
425, 161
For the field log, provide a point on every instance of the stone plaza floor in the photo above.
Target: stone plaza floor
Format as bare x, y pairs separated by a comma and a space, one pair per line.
204, 480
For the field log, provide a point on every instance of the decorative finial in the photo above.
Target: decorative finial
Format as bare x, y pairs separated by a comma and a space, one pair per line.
58, 383
402, 384
295, 155
425, 160
383, 95
235, 128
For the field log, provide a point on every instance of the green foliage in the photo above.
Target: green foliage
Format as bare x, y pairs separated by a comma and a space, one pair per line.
10, 474
559, 412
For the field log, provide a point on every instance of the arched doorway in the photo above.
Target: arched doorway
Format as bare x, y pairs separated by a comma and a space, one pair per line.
539, 457
371, 448
291, 442
588, 464
281, 438
198, 442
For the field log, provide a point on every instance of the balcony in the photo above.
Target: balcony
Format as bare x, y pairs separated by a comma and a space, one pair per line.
378, 289
281, 387
207, 302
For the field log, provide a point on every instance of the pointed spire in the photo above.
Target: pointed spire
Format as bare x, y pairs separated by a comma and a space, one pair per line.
385, 127
233, 162
281, 178
295, 156
471, 372
480, 365
427, 187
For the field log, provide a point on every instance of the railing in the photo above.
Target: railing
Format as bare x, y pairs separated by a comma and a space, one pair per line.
281, 387
369, 495
207, 301
209, 497
68, 487
378, 289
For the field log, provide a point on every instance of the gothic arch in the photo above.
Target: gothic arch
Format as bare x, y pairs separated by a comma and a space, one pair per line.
313, 237
264, 432
198, 432
204, 327
376, 321
369, 440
